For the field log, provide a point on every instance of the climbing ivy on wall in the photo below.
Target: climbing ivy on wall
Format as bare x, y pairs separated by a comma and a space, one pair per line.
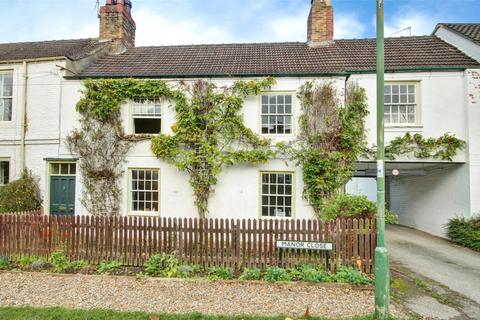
443, 148
331, 139
209, 134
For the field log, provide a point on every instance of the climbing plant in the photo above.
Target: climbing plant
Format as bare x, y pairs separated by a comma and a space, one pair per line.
101, 141
209, 134
331, 138
443, 148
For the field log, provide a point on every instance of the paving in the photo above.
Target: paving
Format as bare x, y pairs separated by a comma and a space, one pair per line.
437, 279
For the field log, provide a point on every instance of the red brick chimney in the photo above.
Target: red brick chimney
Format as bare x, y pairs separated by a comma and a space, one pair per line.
320, 23
116, 23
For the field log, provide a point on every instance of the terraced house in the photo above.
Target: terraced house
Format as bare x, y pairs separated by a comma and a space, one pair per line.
432, 88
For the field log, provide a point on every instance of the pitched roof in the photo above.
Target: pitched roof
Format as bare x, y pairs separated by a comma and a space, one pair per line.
278, 59
72, 49
470, 31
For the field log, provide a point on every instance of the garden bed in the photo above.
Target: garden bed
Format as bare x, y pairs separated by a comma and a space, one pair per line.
181, 296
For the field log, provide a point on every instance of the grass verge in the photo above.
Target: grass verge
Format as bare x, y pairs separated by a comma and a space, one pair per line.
29, 313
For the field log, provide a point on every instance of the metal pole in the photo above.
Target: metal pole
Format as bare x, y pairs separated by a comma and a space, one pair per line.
382, 272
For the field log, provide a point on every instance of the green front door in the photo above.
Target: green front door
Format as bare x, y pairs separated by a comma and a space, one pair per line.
62, 189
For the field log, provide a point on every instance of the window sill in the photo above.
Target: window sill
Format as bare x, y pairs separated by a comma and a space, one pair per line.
276, 218
404, 128
143, 214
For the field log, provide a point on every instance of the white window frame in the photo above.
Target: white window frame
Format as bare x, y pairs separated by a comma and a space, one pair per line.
2, 96
130, 191
3, 159
291, 114
261, 195
407, 103
143, 103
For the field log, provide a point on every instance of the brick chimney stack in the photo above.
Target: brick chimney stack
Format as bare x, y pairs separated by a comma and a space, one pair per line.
320, 23
117, 25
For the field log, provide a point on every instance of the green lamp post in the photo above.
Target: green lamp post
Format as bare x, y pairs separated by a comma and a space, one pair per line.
382, 270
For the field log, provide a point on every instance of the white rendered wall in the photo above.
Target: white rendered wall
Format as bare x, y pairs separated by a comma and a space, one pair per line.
428, 202
465, 45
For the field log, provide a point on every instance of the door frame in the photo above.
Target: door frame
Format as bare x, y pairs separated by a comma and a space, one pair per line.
49, 162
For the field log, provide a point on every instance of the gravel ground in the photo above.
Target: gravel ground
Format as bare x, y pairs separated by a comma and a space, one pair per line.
125, 293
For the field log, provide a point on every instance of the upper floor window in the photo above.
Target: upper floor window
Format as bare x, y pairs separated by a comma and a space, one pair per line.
6, 92
4, 172
276, 194
147, 117
401, 105
277, 114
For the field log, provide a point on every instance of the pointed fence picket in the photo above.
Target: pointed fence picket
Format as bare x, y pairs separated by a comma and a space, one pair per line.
231, 243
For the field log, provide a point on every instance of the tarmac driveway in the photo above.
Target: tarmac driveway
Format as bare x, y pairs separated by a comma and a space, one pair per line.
437, 259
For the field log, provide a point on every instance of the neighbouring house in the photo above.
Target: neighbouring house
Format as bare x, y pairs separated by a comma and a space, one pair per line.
432, 88
464, 36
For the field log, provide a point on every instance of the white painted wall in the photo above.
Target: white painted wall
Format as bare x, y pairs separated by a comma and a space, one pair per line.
52, 115
465, 45
428, 202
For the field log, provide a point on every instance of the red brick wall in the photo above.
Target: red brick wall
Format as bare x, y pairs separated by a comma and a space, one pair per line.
320, 22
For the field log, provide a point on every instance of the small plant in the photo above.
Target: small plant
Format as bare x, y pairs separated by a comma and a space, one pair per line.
465, 232
311, 274
41, 265
59, 260
163, 264
27, 261
350, 275
274, 274
391, 217
111, 267
216, 273
4, 263
78, 265
186, 271
251, 274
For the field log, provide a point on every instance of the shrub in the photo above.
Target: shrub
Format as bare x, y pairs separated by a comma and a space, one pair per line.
111, 267
4, 263
274, 274
162, 264
216, 273
350, 275
352, 206
251, 274
465, 232
21, 195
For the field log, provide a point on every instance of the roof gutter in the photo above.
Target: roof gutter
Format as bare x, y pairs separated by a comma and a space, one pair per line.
346, 73
33, 60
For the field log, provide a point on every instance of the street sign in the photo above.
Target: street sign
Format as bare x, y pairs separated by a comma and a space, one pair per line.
306, 245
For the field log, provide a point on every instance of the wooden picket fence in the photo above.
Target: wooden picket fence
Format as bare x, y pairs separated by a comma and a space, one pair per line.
231, 243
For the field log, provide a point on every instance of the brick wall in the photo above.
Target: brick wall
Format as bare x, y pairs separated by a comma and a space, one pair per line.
320, 22
116, 23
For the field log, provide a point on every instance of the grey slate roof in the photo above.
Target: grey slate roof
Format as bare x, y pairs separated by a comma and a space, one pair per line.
72, 49
276, 59
470, 31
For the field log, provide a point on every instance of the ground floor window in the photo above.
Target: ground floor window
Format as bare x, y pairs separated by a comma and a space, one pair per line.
4, 172
276, 194
144, 191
